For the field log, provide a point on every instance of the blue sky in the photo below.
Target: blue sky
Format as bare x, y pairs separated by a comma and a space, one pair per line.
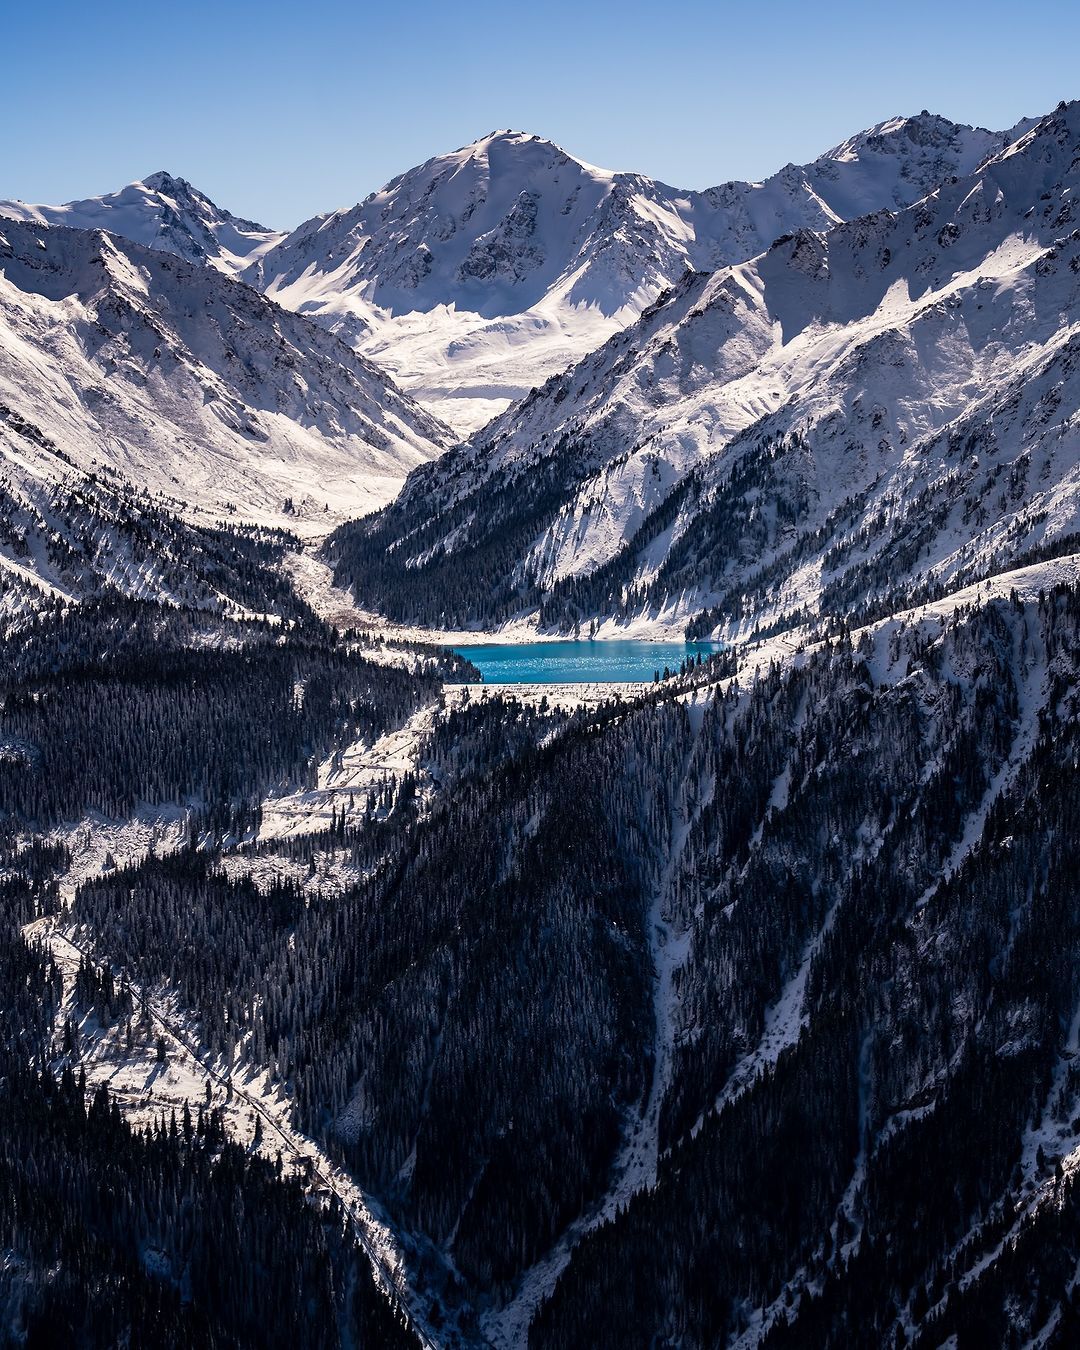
279, 110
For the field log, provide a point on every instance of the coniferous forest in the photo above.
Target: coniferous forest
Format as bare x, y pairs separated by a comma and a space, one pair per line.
540, 713
839, 1113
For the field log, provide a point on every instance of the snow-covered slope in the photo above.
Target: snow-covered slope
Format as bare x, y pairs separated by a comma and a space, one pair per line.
165, 213
480, 273
770, 428
900, 160
483, 270
125, 371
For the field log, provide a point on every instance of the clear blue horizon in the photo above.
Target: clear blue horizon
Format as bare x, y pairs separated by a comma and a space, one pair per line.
279, 112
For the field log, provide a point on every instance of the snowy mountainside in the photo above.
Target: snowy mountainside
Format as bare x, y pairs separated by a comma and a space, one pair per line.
479, 273
815, 854
165, 213
164, 379
811, 402
69, 532
900, 160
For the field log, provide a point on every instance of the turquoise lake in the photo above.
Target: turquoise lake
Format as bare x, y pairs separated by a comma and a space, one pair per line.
610, 660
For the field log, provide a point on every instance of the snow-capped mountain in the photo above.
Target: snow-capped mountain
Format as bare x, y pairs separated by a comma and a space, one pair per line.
900, 160
481, 272
782, 432
478, 274
739, 1010
161, 212
137, 372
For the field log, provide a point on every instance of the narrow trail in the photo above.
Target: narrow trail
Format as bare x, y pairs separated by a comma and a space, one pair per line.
372, 1236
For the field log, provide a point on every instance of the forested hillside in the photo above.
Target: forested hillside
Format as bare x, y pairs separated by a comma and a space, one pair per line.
118, 703
674, 991
170, 1237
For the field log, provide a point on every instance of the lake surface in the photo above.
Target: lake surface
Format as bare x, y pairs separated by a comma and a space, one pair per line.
615, 660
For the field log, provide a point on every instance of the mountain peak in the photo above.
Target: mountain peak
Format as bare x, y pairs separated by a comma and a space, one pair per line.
898, 161
896, 135
162, 212
163, 181
505, 150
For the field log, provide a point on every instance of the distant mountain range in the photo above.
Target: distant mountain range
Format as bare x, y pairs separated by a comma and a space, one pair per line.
778, 410
480, 273
885, 407
164, 213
